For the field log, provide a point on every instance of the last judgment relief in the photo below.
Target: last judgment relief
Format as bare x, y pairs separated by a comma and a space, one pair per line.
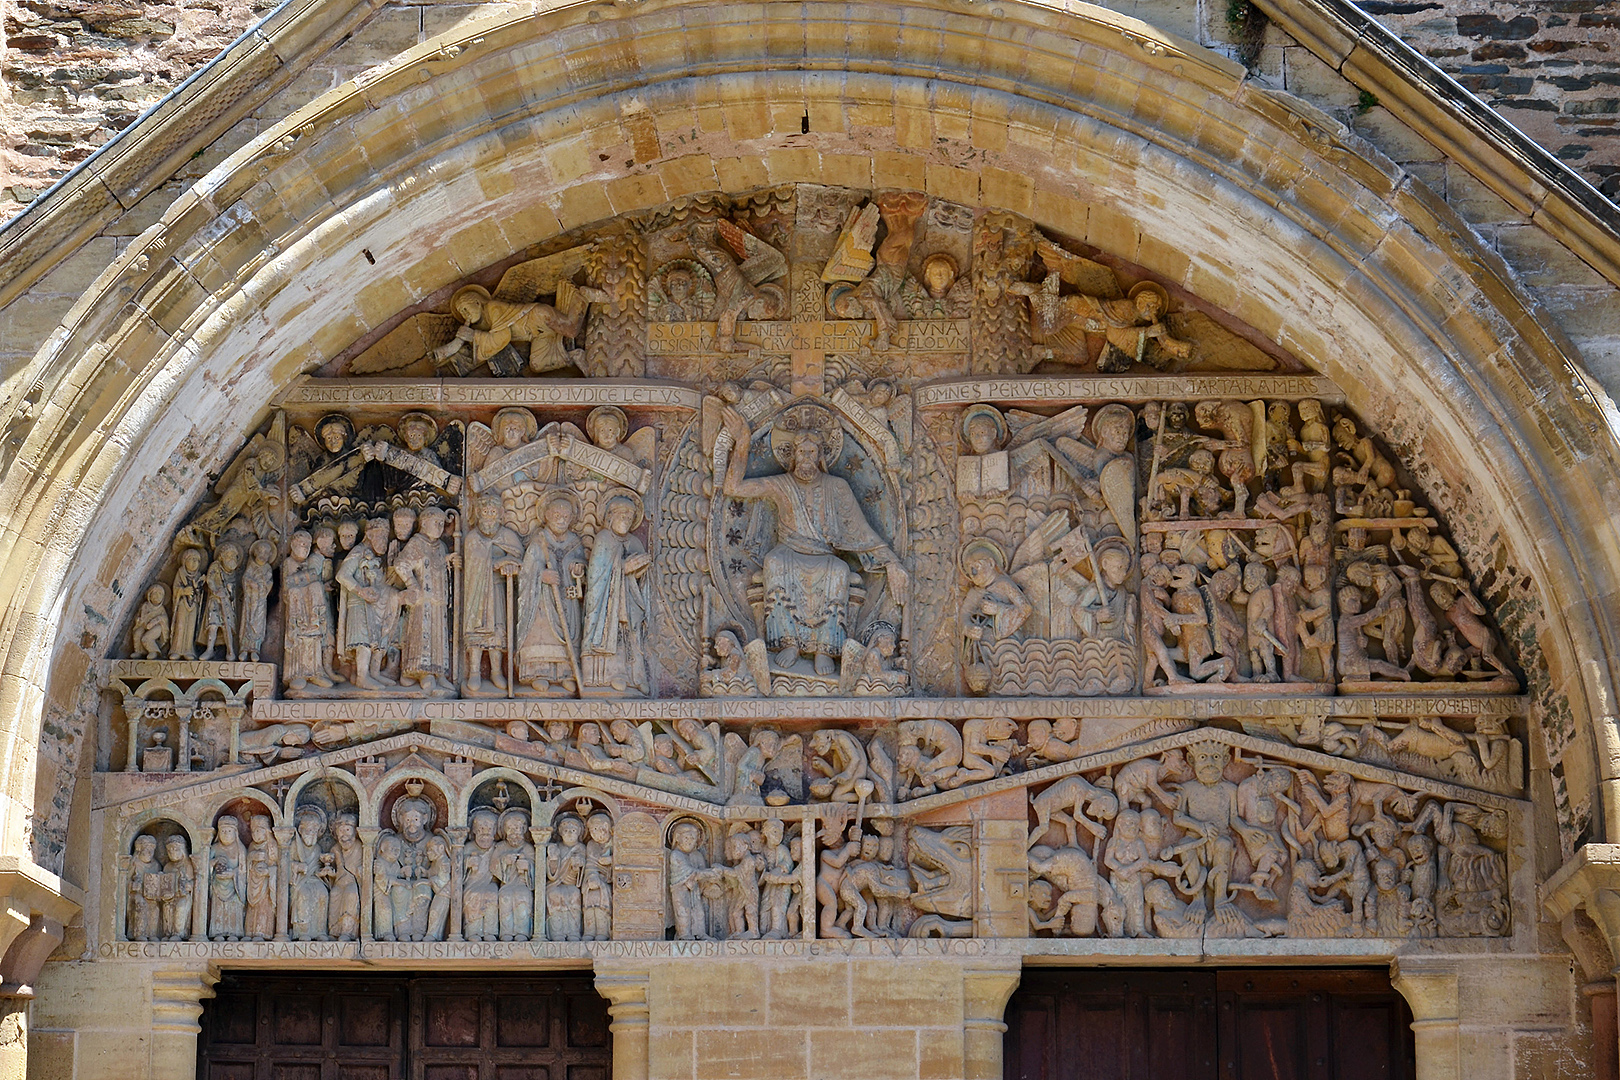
807, 565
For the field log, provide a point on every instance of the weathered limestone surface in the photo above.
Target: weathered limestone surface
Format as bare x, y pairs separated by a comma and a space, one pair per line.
144, 394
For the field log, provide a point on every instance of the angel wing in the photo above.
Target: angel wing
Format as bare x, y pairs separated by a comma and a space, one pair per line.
1037, 546
480, 441
1092, 278
758, 261
863, 227
851, 259
758, 660
1118, 483
849, 664
563, 427
528, 281
303, 452
682, 561
273, 438
1070, 423
410, 341
643, 445
900, 419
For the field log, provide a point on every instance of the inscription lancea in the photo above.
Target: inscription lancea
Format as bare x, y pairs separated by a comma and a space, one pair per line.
816, 572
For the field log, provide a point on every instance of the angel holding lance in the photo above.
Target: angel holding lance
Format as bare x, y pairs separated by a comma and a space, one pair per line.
250, 489
818, 521
740, 288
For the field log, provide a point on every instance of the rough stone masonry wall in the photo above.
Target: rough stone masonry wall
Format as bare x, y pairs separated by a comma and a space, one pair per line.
1551, 67
76, 72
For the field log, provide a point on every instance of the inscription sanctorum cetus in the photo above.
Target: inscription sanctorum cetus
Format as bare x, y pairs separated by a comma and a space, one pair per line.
810, 566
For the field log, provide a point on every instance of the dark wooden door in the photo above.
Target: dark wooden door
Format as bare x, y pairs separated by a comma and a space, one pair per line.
277, 1027
511, 1029
1205, 1025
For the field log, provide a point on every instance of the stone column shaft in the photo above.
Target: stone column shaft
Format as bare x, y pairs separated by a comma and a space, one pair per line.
626, 991
985, 991
177, 997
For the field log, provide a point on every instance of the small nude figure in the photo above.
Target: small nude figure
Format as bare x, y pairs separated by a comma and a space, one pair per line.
151, 630
1354, 663
1260, 612
1131, 866
741, 875
830, 879
1315, 621
1081, 798
1053, 741
1158, 621
930, 754
1467, 616
987, 746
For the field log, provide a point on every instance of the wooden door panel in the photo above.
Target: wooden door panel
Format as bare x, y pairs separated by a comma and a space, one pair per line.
229, 1070
587, 1022
296, 1021
1269, 1025
1097, 1025
366, 1020
452, 1020
394, 1027
522, 1020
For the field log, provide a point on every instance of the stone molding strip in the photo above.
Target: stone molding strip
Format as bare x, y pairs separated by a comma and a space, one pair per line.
177, 290
148, 153
1456, 122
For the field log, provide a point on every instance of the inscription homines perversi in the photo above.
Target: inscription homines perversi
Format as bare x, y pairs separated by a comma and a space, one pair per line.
810, 570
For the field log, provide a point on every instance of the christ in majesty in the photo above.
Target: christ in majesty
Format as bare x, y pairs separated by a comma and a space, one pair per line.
819, 522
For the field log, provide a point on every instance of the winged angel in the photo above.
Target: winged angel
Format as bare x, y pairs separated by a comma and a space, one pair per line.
744, 288
521, 462
510, 330
1132, 325
249, 489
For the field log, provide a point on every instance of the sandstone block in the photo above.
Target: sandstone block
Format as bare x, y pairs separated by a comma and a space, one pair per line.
750, 1055
890, 995
810, 996
882, 1054
717, 993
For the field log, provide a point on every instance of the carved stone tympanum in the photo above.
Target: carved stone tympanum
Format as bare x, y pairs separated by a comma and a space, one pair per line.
936, 577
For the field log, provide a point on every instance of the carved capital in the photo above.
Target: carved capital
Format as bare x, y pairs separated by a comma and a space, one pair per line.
177, 997
34, 906
625, 987
1430, 985
1590, 883
986, 987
